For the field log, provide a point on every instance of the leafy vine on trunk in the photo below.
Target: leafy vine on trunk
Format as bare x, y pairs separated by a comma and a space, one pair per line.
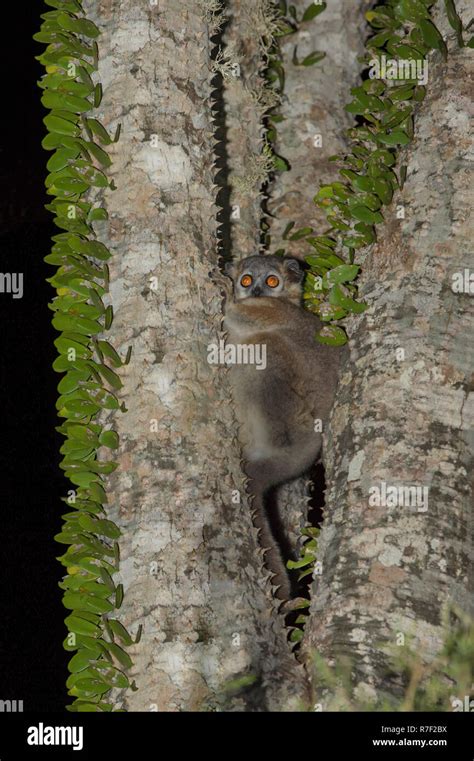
403, 36
88, 361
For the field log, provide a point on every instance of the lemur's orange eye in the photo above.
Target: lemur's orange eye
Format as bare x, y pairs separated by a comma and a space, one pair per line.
246, 281
272, 281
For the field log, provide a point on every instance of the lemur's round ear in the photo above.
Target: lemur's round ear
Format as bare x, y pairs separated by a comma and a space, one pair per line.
294, 269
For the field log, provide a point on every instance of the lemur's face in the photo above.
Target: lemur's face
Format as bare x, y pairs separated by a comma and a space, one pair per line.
273, 276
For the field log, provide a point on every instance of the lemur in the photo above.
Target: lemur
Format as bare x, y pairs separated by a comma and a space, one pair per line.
277, 408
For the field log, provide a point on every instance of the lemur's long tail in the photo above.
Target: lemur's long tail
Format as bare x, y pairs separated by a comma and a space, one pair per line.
273, 556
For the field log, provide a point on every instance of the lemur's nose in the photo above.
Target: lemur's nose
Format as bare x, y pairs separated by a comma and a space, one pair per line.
257, 291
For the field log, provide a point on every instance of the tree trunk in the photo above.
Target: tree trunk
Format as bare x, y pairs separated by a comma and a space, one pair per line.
190, 563
315, 119
245, 105
404, 411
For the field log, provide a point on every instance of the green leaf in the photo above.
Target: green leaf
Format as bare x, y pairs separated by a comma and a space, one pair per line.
313, 10
82, 433
83, 478
381, 18
101, 527
61, 159
366, 215
109, 439
65, 101
97, 95
380, 39
68, 171
329, 312
66, 322
78, 26
382, 155
77, 601
120, 655
454, 20
406, 52
73, 225
94, 587
109, 375
70, 184
92, 248
109, 315
356, 107
118, 595
97, 129
84, 76
338, 298
412, 10
71, 87
405, 92
81, 626
397, 137
301, 233
97, 152
302, 604
72, 449
107, 579
110, 352
94, 686
83, 406
49, 33
396, 116
76, 307
97, 214
60, 125
431, 35
342, 274
362, 182
403, 175
383, 190
331, 335
119, 631
280, 164
71, 381
304, 561
82, 660
296, 635
313, 58
64, 345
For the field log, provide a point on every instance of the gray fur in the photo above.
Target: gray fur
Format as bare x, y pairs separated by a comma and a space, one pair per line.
276, 408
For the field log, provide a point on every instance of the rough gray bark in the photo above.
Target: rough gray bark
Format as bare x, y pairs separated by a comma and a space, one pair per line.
246, 101
406, 417
190, 563
243, 84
